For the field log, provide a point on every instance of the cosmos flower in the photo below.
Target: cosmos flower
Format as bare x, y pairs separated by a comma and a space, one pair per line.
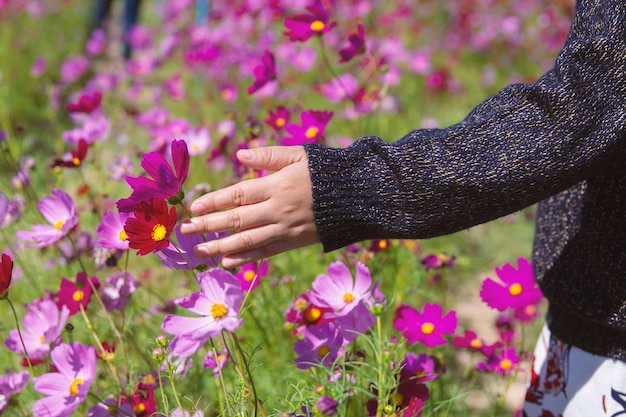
110, 408
427, 327
166, 183
339, 291
75, 294
86, 103
198, 141
303, 26
471, 341
356, 45
278, 118
437, 261
518, 288
75, 157
216, 361
217, 305
11, 384
116, 291
151, 227
311, 130
327, 406
502, 362
73, 68
421, 368
250, 275
111, 232
6, 272
320, 345
60, 211
263, 73
66, 389
180, 255
94, 128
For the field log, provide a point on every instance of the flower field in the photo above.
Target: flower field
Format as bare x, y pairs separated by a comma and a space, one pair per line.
106, 308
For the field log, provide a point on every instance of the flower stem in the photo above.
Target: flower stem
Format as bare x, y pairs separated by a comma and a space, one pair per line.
19, 333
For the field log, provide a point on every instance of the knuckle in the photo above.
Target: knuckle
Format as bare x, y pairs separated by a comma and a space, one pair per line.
247, 242
237, 196
234, 220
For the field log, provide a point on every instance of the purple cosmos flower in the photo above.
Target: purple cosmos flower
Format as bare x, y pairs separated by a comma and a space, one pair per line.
110, 408
96, 43
250, 275
311, 129
120, 167
356, 322
340, 88
73, 68
327, 406
216, 361
66, 389
263, 73
41, 327
278, 118
421, 368
427, 327
165, 183
60, 211
320, 346
11, 384
111, 231
181, 255
116, 291
519, 290
355, 47
438, 261
217, 305
302, 27
337, 290
93, 129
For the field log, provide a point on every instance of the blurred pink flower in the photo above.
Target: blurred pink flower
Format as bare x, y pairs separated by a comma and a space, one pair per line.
263, 73
10, 384
73, 68
111, 230
518, 287
303, 26
356, 45
60, 212
503, 362
96, 43
311, 130
427, 327
39, 66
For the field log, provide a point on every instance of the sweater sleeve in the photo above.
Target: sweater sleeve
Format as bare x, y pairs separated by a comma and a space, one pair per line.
516, 148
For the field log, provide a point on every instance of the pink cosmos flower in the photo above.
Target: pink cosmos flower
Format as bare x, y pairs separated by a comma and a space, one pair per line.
11, 384
216, 361
319, 346
86, 103
217, 306
198, 141
96, 43
343, 87
339, 291
355, 47
75, 294
110, 408
94, 127
60, 211
73, 68
175, 87
41, 327
250, 275
519, 290
311, 130
66, 389
503, 362
111, 231
302, 27
427, 327
180, 255
437, 261
263, 73
39, 66
165, 183
471, 341
355, 323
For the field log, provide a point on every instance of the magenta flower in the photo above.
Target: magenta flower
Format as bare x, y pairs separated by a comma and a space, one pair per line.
302, 27
96, 43
111, 231
39, 66
343, 87
60, 212
11, 384
339, 291
73, 295
94, 127
278, 118
117, 289
216, 361
421, 368
471, 341
217, 305
427, 327
41, 327
250, 275
263, 73
181, 255
110, 408
519, 290
73, 68
165, 183
311, 130
437, 261
356, 45
66, 389
320, 346
503, 362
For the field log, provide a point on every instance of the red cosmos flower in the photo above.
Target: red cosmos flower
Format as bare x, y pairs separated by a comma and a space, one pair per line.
76, 157
304, 26
86, 103
149, 231
356, 46
6, 270
263, 73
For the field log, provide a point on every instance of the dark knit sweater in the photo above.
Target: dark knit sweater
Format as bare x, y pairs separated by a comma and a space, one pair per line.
560, 142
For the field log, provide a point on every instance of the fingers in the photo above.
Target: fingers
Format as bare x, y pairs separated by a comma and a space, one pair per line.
238, 218
271, 158
241, 194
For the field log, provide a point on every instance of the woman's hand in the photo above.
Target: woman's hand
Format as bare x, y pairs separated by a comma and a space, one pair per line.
268, 215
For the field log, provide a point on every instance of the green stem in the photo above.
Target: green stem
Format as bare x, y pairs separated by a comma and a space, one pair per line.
221, 381
19, 333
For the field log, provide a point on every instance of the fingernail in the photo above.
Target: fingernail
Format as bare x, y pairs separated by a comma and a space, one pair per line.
245, 154
187, 227
196, 207
203, 250
228, 263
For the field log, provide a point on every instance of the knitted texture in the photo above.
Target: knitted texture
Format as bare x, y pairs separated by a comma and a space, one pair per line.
560, 141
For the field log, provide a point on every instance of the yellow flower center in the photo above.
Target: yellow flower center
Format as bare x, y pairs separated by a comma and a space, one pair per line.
123, 235
249, 275
398, 398
78, 296
348, 297
148, 380
107, 356
515, 289
311, 132
300, 304
323, 351
158, 232
428, 328
76, 161
74, 386
313, 315
505, 364
317, 26
42, 339
227, 94
139, 408
530, 310
59, 225
218, 310
382, 244
476, 343
280, 122
196, 148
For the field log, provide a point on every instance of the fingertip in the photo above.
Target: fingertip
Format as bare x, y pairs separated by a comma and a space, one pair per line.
245, 154
197, 207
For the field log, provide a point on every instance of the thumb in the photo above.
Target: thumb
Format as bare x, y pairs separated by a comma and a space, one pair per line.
271, 158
